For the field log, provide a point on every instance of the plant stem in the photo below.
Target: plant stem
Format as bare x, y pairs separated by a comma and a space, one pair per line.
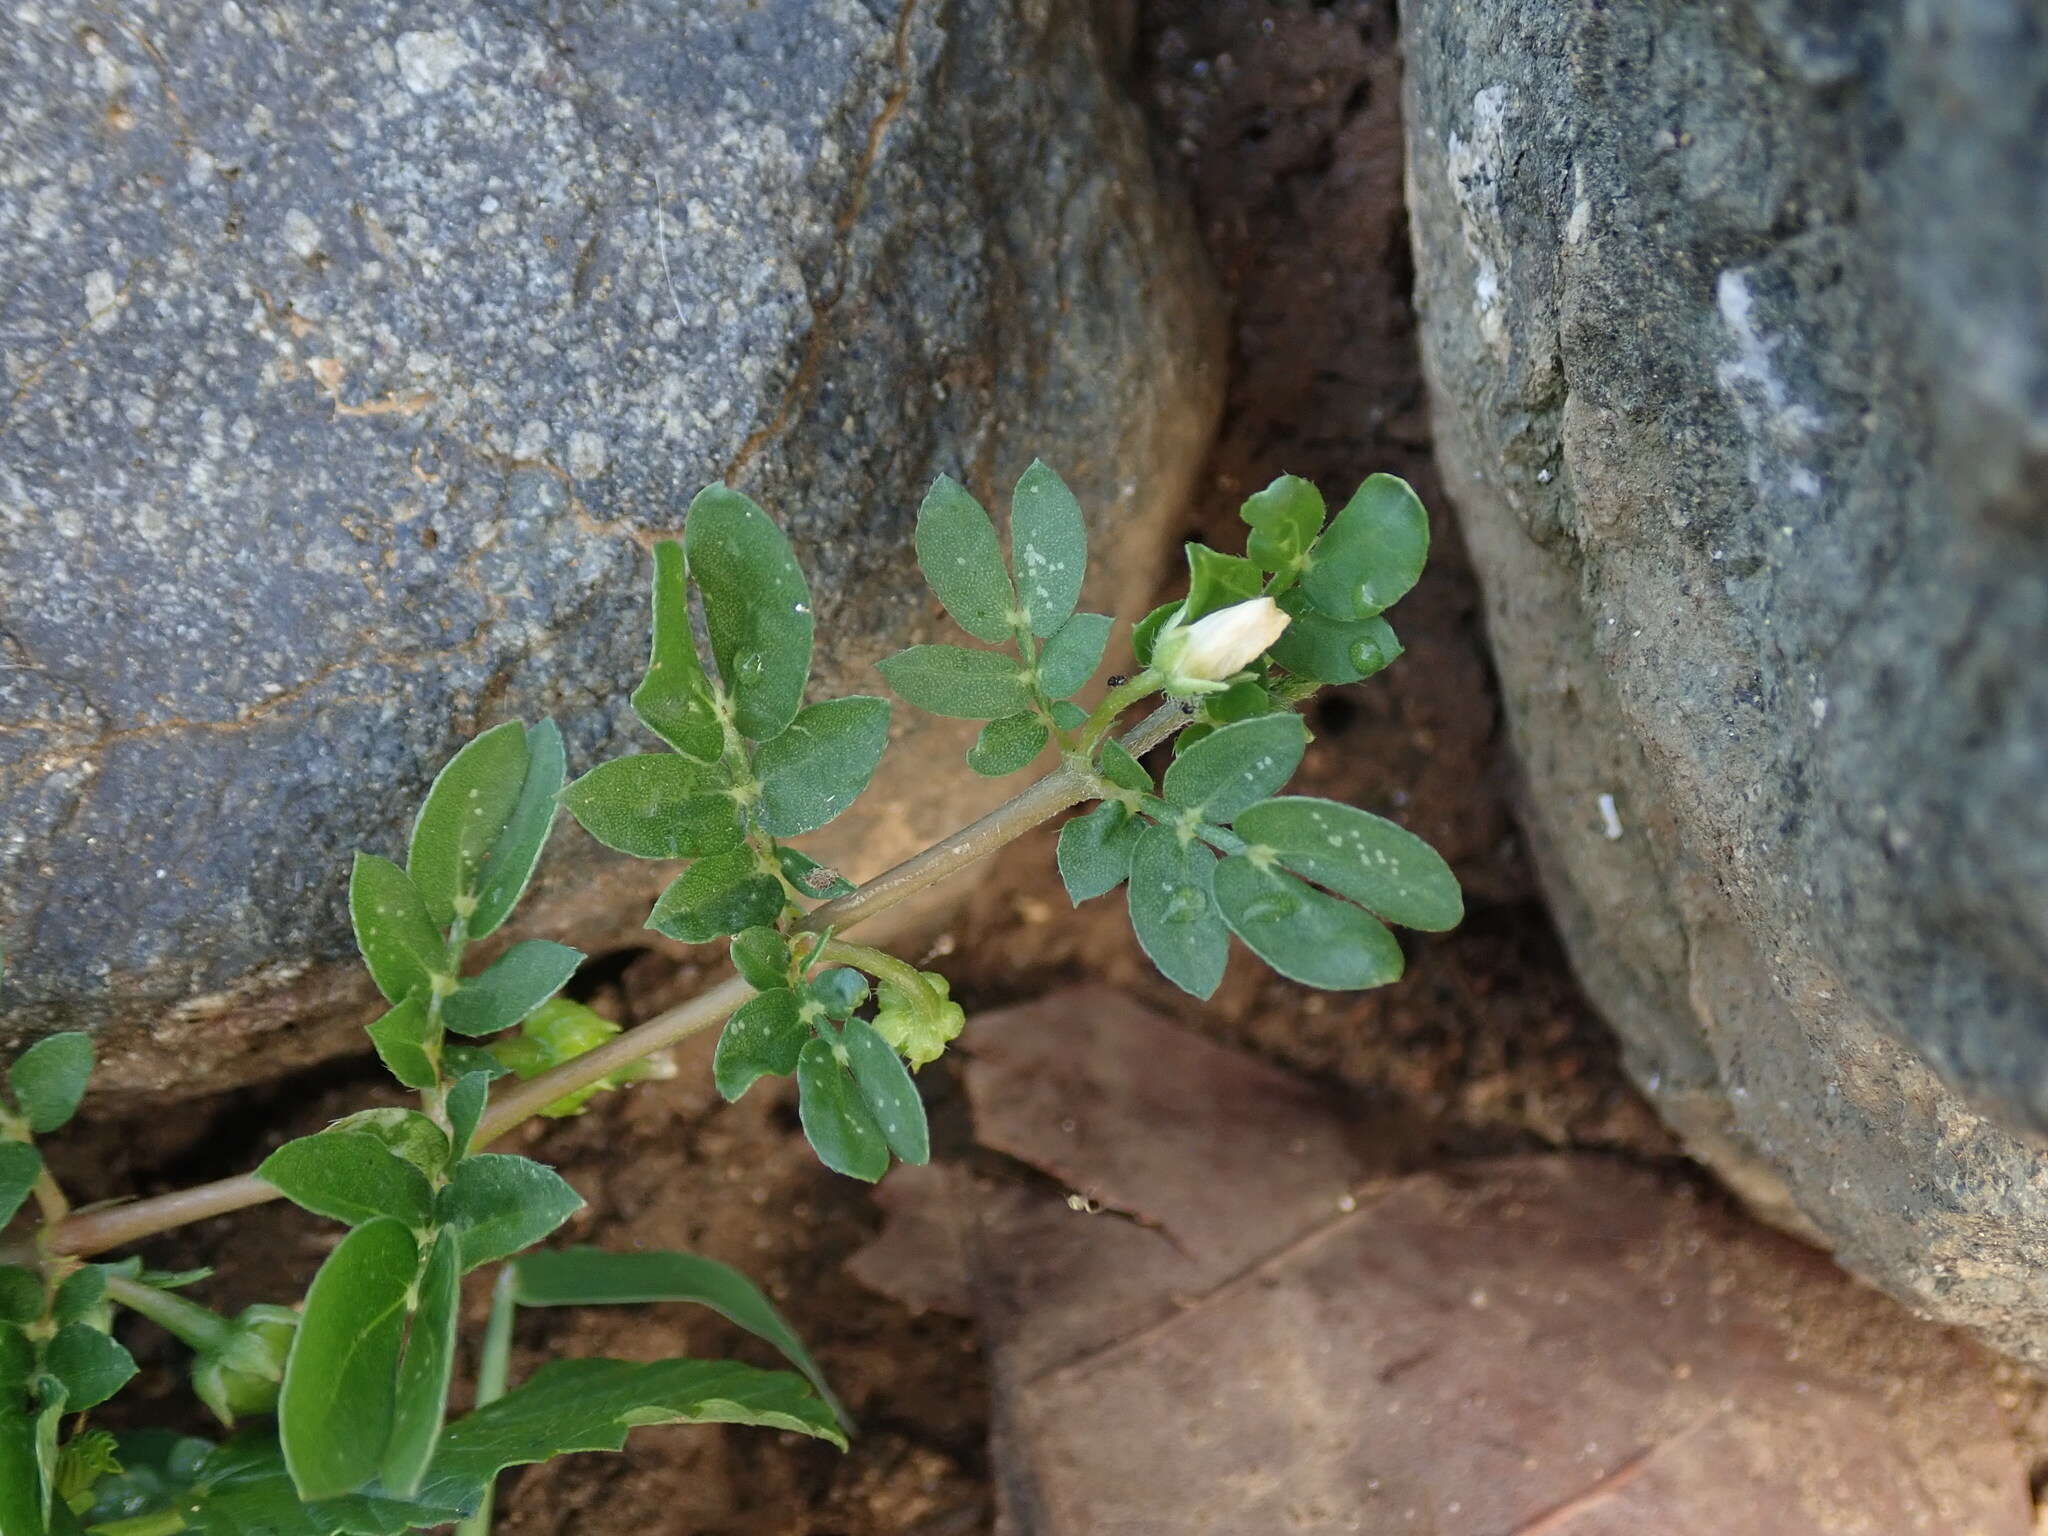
186, 1321
1069, 784
162, 1522
493, 1376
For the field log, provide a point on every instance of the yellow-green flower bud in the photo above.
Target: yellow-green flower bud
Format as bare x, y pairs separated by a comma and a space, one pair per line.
240, 1374
919, 1028
558, 1031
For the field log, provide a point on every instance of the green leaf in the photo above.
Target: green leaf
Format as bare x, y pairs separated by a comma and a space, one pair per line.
335, 1411
811, 877
22, 1492
1217, 580
91, 1365
674, 698
243, 1489
1095, 851
525, 832
425, 1371
401, 1040
761, 1039
838, 990
1372, 552
1124, 770
1006, 745
761, 955
1245, 699
21, 1295
466, 809
715, 897
1048, 548
511, 987
1147, 630
501, 1204
1071, 656
406, 1133
1285, 518
590, 1405
20, 1164
400, 944
961, 684
1329, 650
1301, 932
1174, 913
818, 766
466, 1103
656, 806
83, 1293
962, 561
1376, 863
48, 1079
349, 1176
1068, 716
836, 1119
581, 1277
757, 608
1237, 765
891, 1096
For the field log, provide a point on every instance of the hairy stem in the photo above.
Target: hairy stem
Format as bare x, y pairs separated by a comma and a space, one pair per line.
186, 1321
1067, 785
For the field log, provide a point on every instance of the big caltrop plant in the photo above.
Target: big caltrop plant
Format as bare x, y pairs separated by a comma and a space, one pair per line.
336, 1408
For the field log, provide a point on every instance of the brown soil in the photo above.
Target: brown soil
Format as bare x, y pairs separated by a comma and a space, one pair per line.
1284, 121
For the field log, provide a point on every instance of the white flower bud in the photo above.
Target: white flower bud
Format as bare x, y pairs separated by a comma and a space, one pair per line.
1200, 657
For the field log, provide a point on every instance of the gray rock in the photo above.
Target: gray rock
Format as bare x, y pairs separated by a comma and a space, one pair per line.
1737, 334
354, 351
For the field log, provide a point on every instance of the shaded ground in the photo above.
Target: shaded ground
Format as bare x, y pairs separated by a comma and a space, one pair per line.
1284, 120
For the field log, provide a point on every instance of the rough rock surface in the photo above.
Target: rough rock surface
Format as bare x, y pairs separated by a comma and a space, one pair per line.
352, 353
1738, 346
1245, 1323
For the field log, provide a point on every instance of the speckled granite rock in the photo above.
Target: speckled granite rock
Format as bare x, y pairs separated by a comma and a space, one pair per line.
1738, 341
353, 351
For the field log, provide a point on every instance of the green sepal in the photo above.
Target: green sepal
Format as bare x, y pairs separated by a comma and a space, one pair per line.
1146, 631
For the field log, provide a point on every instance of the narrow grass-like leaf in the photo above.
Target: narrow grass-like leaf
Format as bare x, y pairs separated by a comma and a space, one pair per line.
349, 1176
1285, 518
674, 698
960, 684
399, 941
20, 1165
400, 1037
818, 766
501, 1204
1371, 554
1173, 911
1376, 863
48, 1079
91, 1365
425, 1370
656, 806
1006, 745
517, 848
757, 608
335, 1411
511, 987
1303, 933
891, 1096
579, 1277
715, 897
962, 561
1237, 765
1095, 851
836, 1119
1048, 547
761, 1039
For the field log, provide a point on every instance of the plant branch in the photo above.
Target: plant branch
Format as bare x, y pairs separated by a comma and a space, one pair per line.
1067, 785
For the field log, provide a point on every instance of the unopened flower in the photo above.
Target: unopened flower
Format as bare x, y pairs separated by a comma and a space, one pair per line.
919, 1024
1203, 656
